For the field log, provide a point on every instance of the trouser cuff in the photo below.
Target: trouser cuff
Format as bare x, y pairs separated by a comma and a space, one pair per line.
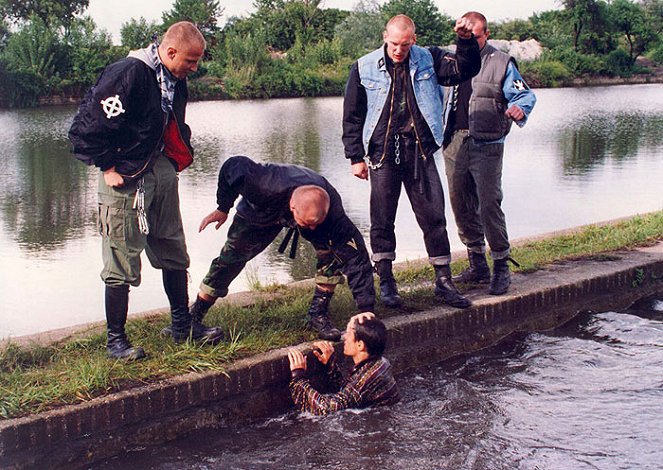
388, 255
440, 260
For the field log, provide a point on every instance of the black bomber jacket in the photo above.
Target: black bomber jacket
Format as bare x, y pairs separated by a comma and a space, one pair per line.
120, 122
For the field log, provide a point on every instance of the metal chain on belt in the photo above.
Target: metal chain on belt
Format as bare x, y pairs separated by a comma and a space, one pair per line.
454, 99
397, 149
139, 205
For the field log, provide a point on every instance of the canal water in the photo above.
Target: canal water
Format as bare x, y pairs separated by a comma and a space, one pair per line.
586, 155
586, 396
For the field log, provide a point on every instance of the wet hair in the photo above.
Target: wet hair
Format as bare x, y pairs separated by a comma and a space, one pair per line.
476, 16
374, 335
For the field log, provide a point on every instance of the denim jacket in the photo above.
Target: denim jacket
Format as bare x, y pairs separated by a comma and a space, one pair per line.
377, 81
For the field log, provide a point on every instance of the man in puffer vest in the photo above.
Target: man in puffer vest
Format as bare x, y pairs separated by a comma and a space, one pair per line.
392, 126
478, 116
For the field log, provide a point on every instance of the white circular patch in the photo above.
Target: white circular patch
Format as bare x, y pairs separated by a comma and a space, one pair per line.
112, 106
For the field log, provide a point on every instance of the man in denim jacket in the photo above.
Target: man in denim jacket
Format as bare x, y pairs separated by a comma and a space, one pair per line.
392, 128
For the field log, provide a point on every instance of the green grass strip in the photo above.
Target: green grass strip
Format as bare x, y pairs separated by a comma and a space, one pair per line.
33, 379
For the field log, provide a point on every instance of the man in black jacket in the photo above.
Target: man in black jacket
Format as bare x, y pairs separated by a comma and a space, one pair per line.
277, 196
392, 117
131, 125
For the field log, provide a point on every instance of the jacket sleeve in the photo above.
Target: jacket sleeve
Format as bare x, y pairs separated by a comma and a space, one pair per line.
232, 177
452, 69
307, 398
354, 116
517, 92
356, 265
104, 115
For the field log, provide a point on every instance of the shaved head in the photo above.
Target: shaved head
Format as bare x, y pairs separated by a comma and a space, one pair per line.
402, 23
183, 33
309, 205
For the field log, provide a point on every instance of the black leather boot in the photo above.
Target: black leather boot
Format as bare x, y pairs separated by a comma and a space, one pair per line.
445, 288
501, 279
185, 327
197, 311
319, 316
478, 272
388, 289
117, 305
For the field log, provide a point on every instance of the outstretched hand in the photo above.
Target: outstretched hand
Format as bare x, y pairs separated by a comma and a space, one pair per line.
215, 216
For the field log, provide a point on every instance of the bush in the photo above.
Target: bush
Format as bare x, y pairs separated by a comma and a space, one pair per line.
618, 63
576, 62
546, 73
656, 54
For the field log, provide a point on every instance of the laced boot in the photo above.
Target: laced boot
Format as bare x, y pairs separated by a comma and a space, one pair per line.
117, 305
478, 272
388, 289
501, 279
445, 288
319, 316
184, 326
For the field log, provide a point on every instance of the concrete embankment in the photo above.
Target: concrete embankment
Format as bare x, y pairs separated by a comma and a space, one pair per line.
74, 436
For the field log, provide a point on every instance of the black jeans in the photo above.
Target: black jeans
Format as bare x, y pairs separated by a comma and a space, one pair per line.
424, 189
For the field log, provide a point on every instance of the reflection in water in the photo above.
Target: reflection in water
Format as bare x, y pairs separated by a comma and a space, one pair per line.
586, 396
591, 140
610, 148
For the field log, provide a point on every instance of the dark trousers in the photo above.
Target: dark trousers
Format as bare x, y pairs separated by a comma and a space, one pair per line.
474, 173
424, 190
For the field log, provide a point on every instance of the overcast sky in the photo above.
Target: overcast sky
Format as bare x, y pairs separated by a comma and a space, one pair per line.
110, 14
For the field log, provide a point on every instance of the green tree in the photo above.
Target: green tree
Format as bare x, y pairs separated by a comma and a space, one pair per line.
204, 14
362, 30
50, 12
137, 33
433, 27
89, 50
513, 30
630, 21
582, 14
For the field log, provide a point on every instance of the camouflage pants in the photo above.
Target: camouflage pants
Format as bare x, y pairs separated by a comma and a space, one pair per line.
246, 241
122, 240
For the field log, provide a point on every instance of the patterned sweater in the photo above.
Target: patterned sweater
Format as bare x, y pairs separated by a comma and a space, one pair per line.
370, 383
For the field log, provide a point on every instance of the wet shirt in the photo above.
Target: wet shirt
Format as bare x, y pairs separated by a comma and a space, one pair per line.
371, 383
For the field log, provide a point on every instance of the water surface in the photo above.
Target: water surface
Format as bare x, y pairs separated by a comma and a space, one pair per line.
587, 396
586, 155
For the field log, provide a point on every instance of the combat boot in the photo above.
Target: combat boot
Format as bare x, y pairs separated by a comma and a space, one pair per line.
445, 288
184, 326
478, 272
388, 289
501, 279
319, 316
117, 306
197, 311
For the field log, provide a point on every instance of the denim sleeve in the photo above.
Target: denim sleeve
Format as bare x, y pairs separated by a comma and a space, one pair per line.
517, 92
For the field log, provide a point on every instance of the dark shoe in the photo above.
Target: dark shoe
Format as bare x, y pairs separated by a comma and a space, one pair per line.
197, 311
319, 316
119, 347
445, 288
117, 305
478, 272
388, 290
501, 279
184, 327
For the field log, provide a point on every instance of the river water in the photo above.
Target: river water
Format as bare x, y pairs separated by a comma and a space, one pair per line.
586, 155
586, 396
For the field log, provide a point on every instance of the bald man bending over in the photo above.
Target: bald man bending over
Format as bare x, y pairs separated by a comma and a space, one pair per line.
277, 196
131, 125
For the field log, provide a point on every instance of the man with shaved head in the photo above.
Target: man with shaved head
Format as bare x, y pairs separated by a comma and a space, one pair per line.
131, 125
392, 127
291, 196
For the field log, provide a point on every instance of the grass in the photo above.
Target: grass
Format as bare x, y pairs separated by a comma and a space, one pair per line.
38, 378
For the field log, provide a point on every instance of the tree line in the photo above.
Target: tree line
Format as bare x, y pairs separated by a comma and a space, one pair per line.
297, 48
